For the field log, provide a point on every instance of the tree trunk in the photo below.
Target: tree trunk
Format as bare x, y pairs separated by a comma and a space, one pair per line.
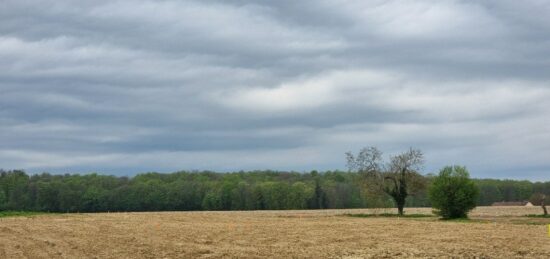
400, 209
400, 202
399, 196
543, 205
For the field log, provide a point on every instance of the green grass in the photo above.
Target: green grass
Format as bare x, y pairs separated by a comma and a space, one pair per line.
5, 214
390, 215
538, 216
465, 220
531, 223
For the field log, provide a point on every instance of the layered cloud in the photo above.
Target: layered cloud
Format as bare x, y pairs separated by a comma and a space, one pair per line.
129, 86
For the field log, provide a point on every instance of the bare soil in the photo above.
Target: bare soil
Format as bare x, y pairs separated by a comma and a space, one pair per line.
493, 232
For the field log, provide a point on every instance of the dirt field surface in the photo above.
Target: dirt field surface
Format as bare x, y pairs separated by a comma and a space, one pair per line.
494, 232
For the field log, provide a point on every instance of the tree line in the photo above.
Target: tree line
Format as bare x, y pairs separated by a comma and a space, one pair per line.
205, 190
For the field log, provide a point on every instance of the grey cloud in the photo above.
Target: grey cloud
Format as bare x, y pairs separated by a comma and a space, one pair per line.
130, 86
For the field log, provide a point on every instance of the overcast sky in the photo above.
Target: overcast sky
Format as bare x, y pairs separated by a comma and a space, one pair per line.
122, 87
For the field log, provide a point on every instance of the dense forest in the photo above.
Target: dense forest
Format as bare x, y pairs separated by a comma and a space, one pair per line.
255, 190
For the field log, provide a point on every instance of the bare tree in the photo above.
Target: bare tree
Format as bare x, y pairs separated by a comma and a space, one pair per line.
397, 177
543, 205
540, 199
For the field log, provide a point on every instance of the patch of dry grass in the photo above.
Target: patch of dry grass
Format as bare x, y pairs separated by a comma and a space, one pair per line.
281, 234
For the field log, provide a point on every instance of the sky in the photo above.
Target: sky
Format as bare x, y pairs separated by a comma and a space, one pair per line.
124, 87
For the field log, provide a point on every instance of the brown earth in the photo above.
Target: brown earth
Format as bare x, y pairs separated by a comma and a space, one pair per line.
494, 232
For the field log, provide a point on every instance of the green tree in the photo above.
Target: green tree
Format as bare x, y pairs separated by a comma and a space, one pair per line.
452, 193
300, 193
488, 192
258, 198
47, 196
212, 201
319, 199
241, 197
95, 200
18, 193
2, 200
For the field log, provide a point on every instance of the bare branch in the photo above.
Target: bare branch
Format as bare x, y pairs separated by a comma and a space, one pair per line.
368, 160
397, 178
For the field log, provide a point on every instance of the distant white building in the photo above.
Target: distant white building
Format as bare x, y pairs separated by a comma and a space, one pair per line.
513, 203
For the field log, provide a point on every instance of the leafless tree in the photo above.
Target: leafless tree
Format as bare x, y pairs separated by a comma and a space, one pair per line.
397, 177
543, 205
540, 199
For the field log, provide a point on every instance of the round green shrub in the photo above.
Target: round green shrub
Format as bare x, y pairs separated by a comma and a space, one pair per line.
452, 193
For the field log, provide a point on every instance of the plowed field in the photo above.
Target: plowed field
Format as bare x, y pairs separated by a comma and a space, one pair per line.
493, 233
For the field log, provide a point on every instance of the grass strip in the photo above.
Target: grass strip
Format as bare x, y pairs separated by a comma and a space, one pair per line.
390, 215
5, 214
538, 216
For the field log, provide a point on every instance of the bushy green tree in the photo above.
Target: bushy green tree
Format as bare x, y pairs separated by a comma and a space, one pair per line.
2, 200
212, 201
299, 195
452, 193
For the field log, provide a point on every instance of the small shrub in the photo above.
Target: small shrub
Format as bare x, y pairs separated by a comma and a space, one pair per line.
452, 193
